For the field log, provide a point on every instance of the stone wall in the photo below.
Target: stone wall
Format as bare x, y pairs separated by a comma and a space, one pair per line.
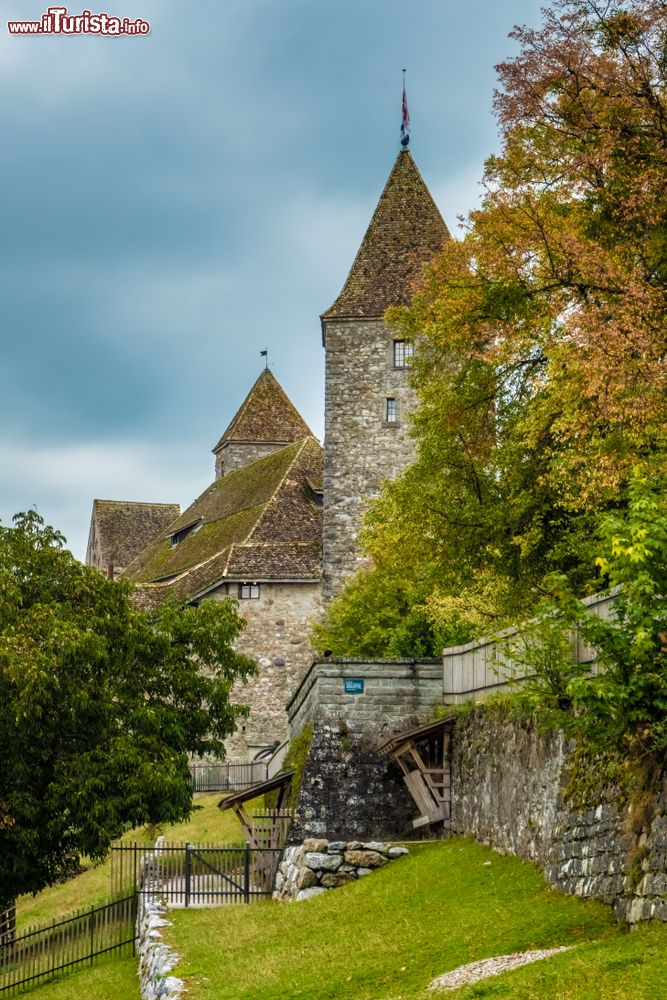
314, 867
156, 959
276, 636
362, 449
508, 781
237, 454
347, 789
393, 691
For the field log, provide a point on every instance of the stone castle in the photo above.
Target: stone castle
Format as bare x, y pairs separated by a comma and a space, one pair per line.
277, 528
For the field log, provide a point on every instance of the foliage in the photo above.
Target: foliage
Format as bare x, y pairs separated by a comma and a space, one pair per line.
295, 760
541, 370
622, 708
385, 613
99, 706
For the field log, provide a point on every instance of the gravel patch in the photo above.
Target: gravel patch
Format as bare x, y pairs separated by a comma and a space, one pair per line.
472, 973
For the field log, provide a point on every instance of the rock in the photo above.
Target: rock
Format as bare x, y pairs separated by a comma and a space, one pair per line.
307, 879
324, 862
315, 845
354, 845
309, 893
364, 859
333, 880
337, 846
364, 871
397, 852
374, 845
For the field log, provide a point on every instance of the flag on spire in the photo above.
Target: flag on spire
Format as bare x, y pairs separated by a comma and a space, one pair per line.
405, 123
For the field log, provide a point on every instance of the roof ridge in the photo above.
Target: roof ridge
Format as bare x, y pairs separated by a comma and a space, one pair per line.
138, 503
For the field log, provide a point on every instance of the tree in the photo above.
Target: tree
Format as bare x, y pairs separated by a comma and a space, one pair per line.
99, 706
542, 333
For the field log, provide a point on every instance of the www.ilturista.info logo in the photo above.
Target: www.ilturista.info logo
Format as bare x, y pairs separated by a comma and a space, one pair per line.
56, 21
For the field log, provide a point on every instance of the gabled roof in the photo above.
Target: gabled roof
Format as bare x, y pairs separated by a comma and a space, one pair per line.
267, 414
405, 232
257, 523
124, 528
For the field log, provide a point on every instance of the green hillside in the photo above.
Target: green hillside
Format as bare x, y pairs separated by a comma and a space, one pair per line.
387, 936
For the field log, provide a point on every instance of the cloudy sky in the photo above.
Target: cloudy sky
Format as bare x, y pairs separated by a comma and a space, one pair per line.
171, 204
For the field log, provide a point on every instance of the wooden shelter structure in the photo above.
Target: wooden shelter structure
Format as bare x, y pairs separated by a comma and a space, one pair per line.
267, 830
423, 756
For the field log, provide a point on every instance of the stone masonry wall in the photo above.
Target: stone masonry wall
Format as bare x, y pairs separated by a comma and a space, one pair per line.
276, 636
314, 867
237, 454
361, 448
156, 959
347, 789
507, 791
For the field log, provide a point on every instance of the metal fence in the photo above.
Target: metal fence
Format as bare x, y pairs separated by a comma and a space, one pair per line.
187, 874
41, 952
227, 777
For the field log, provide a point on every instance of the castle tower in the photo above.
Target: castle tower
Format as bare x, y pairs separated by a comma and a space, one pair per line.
367, 395
266, 421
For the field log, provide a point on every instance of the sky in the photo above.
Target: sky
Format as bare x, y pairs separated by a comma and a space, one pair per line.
173, 203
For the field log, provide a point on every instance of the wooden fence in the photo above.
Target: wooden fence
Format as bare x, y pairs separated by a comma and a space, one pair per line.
486, 666
42, 952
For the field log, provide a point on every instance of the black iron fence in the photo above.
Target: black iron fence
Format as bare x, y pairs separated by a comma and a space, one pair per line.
227, 777
187, 874
42, 952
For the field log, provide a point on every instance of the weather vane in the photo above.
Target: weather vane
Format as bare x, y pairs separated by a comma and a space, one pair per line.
405, 122
265, 354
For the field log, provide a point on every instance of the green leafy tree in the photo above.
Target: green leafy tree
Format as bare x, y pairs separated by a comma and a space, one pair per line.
99, 706
623, 708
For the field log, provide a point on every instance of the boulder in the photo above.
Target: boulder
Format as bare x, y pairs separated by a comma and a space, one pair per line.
315, 845
332, 880
364, 859
324, 862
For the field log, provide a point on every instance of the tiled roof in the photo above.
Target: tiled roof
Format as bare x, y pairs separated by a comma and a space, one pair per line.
259, 522
267, 414
404, 233
125, 528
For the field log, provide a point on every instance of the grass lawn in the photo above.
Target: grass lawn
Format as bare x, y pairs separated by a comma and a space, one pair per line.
108, 979
93, 886
388, 935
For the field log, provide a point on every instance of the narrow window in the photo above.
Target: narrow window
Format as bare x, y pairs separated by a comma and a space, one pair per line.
390, 413
402, 353
248, 591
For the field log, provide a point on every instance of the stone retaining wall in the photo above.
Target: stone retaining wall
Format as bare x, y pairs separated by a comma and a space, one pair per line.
508, 781
314, 867
156, 959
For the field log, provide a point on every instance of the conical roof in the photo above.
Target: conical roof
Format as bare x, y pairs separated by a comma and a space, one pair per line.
405, 232
267, 414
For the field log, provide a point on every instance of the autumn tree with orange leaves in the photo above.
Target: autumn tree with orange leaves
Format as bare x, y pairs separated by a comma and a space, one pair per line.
541, 332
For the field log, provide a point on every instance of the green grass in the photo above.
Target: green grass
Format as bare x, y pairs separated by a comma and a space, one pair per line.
108, 979
93, 886
388, 935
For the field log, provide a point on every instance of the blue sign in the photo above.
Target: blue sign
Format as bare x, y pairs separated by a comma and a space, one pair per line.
353, 685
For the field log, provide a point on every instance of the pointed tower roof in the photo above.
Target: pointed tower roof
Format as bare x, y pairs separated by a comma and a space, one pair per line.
267, 414
405, 232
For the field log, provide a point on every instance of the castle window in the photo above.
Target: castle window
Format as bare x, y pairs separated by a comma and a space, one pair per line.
391, 415
402, 353
248, 591
189, 529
